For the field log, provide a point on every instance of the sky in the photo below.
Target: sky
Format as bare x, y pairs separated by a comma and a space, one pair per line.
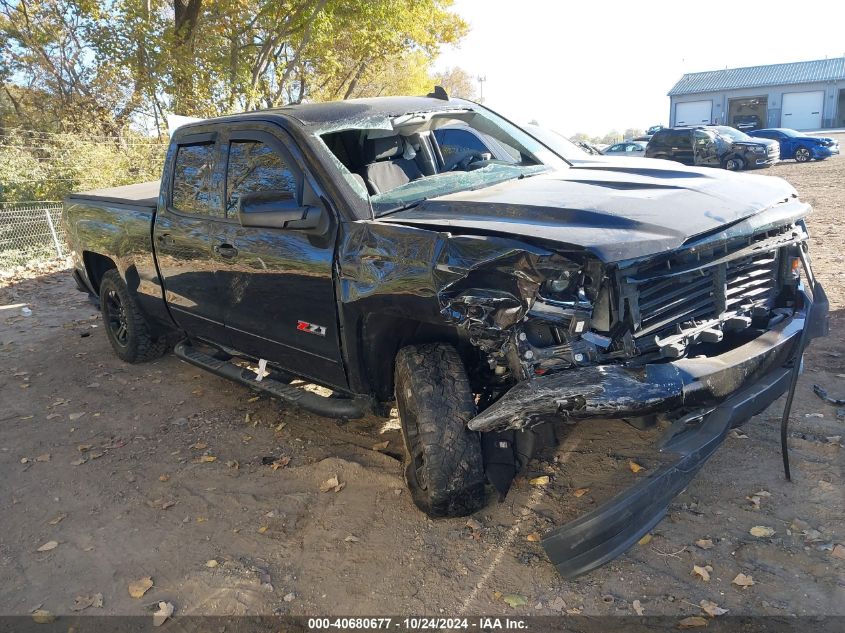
596, 65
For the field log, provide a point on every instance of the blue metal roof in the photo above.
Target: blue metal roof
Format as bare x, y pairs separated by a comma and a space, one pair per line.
757, 76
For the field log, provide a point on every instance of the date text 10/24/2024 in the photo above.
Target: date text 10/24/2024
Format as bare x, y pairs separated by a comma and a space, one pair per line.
418, 624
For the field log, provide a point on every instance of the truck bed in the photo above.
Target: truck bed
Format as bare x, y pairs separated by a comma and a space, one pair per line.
115, 225
144, 194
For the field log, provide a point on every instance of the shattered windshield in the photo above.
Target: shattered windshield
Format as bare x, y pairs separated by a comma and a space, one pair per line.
450, 182
396, 162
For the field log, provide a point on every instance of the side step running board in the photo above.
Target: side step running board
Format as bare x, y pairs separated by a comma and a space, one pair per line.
326, 407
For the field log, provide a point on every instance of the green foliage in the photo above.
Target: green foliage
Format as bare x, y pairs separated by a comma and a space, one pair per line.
112, 61
457, 82
83, 73
607, 139
43, 166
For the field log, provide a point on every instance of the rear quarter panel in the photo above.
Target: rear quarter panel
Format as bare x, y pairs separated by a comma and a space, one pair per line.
122, 233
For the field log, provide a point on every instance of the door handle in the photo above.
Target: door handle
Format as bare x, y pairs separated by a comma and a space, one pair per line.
164, 239
226, 251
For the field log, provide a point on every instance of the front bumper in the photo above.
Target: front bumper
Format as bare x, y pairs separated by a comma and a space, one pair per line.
730, 389
614, 391
763, 160
821, 151
603, 534
766, 161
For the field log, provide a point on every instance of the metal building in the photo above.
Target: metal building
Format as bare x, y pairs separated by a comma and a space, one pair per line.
799, 95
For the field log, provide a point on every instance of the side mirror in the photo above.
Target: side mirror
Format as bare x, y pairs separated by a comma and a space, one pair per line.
276, 210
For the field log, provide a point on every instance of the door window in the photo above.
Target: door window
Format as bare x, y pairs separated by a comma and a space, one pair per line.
255, 166
193, 190
680, 139
661, 139
454, 142
703, 138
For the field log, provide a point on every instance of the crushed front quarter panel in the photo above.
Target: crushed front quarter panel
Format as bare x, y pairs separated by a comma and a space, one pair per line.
484, 285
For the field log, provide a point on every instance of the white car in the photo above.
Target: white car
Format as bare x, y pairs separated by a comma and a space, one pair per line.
631, 149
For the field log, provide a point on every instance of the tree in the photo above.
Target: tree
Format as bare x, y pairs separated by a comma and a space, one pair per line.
608, 139
457, 82
379, 41
113, 61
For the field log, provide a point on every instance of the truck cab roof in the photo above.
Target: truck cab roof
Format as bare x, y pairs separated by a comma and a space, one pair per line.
338, 112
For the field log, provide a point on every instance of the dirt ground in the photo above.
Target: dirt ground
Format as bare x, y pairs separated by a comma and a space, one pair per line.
162, 471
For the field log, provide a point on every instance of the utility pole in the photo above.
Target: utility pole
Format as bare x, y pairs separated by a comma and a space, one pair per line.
481, 80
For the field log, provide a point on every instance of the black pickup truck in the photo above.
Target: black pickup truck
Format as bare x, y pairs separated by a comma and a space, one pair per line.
490, 298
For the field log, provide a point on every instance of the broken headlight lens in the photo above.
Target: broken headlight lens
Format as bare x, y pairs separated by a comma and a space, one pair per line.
561, 284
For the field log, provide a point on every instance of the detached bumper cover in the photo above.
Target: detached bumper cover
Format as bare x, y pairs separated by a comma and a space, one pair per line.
603, 534
745, 380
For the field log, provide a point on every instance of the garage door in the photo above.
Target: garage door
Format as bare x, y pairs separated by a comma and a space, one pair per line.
693, 112
802, 110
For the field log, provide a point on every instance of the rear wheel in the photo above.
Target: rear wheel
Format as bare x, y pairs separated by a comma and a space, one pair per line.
803, 155
444, 469
126, 327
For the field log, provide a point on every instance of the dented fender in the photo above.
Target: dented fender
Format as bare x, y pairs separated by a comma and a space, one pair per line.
482, 286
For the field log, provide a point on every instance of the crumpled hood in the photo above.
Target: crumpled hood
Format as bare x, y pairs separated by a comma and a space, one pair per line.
617, 211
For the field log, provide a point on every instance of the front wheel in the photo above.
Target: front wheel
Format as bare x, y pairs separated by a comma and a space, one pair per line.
126, 326
444, 469
734, 163
803, 155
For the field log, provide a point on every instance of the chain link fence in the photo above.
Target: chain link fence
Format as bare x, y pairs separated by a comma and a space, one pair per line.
31, 232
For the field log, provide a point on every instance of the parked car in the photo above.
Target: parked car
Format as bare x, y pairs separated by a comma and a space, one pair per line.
746, 122
712, 146
801, 147
653, 130
489, 298
631, 149
593, 150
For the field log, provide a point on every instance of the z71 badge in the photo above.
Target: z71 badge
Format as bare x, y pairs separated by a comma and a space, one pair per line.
311, 328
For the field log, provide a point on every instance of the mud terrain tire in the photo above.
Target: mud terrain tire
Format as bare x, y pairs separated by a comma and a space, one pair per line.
126, 327
444, 469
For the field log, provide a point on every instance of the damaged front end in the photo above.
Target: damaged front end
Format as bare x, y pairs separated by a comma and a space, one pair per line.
630, 340
704, 336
